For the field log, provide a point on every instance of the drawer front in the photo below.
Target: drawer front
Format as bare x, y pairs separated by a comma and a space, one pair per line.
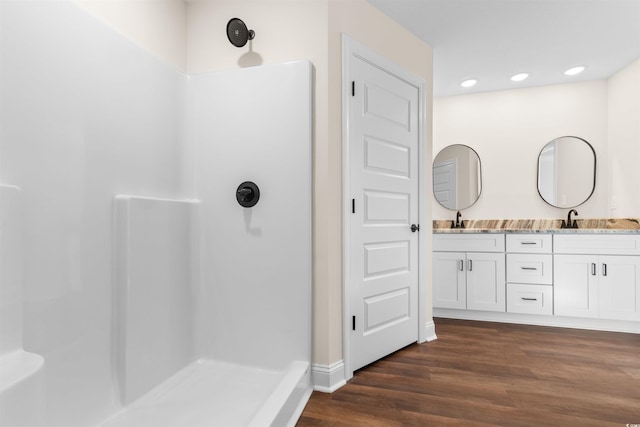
530, 243
529, 299
530, 268
462, 242
597, 244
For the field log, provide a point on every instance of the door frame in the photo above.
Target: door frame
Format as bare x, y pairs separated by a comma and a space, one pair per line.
351, 48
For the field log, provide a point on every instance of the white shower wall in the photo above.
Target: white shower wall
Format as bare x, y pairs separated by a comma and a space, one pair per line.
86, 116
254, 124
154, 292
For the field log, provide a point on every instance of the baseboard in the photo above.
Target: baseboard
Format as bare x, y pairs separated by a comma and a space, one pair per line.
328, 378
430, 331
625, 326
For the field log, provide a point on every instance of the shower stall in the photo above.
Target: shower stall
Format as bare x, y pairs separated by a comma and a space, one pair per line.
155, 232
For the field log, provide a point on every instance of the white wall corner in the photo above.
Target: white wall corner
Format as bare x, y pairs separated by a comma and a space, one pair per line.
328, 378
430, 331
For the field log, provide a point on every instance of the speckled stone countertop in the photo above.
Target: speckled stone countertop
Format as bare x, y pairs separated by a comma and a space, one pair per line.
619, 225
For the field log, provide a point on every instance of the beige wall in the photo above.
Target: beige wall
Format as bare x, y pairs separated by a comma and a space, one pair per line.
508, 129
624, 141
285, 30
156, 25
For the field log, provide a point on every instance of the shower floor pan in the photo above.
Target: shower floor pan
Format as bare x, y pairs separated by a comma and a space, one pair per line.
209, 393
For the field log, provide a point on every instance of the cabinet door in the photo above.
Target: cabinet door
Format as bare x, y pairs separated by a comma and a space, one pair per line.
575, 285
449, 288
486, 281
619, 287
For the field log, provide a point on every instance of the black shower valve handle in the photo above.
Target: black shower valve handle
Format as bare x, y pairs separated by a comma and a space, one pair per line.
247, 194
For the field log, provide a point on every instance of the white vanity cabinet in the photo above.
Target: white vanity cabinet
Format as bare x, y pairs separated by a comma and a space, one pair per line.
529, 274
597, 276
569, 278
469, 271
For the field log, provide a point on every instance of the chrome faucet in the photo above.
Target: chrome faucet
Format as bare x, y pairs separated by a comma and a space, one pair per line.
570, 224
457, 223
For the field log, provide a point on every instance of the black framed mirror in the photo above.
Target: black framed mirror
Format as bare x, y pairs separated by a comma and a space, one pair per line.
566, 172
457, 177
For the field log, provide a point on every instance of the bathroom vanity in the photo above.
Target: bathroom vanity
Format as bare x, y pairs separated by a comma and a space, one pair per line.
584, 278
575, 273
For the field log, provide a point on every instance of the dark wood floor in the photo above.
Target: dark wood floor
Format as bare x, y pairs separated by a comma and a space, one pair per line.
491, 374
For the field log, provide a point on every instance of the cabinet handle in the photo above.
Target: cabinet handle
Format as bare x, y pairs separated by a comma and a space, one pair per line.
528, 268
604, 269
470, 265
593, 268
527, 243
530, 299
461, 264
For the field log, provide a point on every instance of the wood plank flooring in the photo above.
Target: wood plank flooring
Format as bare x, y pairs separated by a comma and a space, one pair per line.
492, 374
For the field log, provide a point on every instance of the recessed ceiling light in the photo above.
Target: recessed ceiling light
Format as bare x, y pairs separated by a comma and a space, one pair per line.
573, 71
468, 83
519, 77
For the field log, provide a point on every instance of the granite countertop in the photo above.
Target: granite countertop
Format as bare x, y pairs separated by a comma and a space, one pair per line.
617, 225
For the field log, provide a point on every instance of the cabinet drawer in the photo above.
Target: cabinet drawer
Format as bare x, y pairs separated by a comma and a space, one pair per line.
597, 244
488, 242
529, 243
529, 299
530, 268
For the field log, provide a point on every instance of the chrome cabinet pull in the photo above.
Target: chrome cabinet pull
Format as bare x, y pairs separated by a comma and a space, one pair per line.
527, 243
604, 269
470, 265
593, 268
461, 264
529, 268
530, 299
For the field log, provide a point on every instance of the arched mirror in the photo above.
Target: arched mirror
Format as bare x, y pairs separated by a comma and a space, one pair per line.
566, 172
457, 177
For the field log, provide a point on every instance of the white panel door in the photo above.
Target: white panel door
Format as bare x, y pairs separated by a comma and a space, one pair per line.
383, 177
445, 183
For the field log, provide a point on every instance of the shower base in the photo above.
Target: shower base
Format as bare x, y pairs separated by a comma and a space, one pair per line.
210, 393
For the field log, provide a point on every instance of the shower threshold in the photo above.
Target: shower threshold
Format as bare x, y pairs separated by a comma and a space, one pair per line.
210, 393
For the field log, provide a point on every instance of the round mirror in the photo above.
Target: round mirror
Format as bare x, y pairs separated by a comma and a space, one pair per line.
566, 172
457, 177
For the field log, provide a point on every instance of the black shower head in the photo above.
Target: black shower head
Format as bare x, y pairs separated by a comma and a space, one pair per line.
237, 32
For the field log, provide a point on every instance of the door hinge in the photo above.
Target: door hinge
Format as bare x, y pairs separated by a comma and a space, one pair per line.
353, 88
353, 205
353, 322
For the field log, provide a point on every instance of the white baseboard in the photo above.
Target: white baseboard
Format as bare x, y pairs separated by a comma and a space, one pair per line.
328, 378
430, 331
626, 326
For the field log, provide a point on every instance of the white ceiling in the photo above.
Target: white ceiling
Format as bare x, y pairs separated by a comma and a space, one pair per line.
491, 40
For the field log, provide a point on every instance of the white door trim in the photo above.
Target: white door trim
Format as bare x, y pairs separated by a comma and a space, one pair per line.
351, 48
